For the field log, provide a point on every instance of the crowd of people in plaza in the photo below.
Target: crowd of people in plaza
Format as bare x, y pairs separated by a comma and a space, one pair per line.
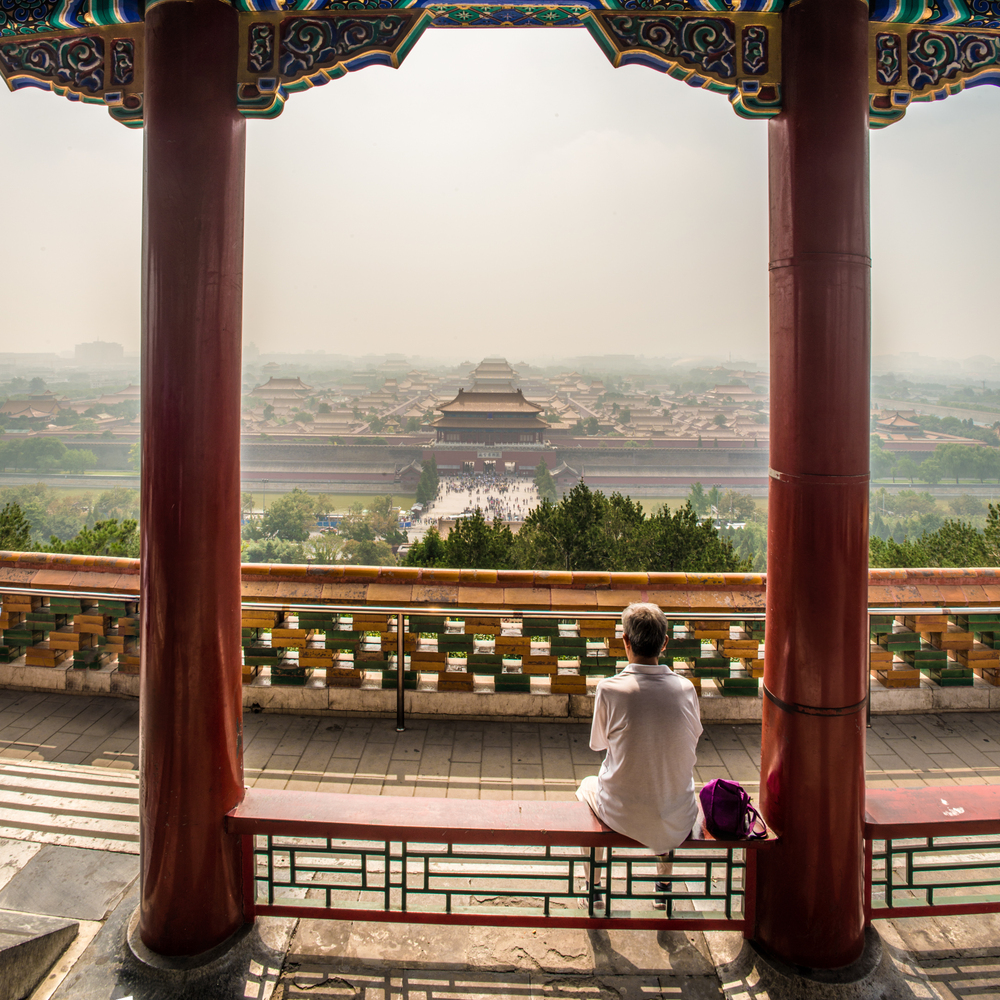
508, 497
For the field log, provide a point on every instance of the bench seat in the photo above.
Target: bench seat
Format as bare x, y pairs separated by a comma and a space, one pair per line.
449, 821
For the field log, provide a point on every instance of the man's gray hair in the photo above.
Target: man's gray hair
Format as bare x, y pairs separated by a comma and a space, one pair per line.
645, 627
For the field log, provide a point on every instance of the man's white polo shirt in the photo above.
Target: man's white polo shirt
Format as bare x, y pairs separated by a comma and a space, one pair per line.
648, 720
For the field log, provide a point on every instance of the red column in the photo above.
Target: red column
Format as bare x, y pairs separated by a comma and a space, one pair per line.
190, 700
809, 896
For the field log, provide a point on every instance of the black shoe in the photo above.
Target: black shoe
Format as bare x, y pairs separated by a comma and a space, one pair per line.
596, 893
662, 890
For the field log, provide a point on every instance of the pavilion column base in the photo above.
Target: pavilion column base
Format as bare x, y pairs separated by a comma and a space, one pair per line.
252, 955
874, 976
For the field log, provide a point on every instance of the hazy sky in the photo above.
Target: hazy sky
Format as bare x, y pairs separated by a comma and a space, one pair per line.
506, 191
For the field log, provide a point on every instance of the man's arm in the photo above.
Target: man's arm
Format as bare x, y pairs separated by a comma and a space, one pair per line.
599, 724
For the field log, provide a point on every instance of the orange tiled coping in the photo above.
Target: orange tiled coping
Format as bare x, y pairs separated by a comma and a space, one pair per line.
485, 588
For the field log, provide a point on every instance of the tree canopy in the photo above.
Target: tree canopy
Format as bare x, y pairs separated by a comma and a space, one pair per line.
585, 531
544, 482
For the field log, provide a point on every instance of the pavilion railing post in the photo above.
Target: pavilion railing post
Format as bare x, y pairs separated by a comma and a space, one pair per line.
809, 907
400, 659
190, 689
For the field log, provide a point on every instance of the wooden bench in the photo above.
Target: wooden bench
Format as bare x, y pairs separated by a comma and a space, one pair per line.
505, 863
923, 870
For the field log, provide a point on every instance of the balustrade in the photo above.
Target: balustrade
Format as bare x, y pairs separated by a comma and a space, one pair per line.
490, 631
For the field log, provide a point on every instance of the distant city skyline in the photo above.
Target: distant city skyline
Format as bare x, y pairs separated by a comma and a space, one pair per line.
507, 193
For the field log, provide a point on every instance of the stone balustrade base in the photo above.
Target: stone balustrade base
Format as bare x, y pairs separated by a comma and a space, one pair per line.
315, 698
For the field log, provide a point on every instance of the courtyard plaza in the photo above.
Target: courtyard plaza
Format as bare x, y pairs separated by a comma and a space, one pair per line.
511, 498
69, 795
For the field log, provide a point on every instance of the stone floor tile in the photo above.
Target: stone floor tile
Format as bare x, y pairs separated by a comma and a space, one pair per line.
74, 757
740, 765
43, 731
327, 784
494, 792
367, 784
316, 756
971, 779
264, 782
947, 761
86, 744
439, 734
400, 788
462, 792
467, 752
560, 795
497, 735
302, 785
464, 771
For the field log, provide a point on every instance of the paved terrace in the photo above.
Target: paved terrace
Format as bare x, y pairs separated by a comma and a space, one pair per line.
462, 759
68, 781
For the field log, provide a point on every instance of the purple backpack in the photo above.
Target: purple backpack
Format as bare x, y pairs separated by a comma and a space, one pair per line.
729, 814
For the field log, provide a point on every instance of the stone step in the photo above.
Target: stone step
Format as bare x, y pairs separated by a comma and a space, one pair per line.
29, 946
70, 805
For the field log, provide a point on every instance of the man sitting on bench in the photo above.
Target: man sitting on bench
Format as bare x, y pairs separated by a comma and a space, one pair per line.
648, 720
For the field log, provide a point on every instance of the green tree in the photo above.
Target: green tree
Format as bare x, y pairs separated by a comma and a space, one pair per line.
246, 504
473, 542
908, 503
967, 506
10, 454
427, 487
564, 536
954, 544
906, 468
42, 453
680, 543
273, 550
369, 535
591, 425
544, 482
737, 506
15, 529
714, 497
79, 459
288, 518
882, 462
697, 499
749, 544
430, 551
986, 463
931, 471
412, 425
105, 538
119, 503
956, 460
49, 511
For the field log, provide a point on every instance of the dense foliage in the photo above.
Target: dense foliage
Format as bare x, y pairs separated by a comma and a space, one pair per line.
45, 453
947, 461
544, 483
585, 531
954, 543
430, 483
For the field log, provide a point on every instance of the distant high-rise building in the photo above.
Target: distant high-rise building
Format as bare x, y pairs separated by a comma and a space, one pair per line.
99, 352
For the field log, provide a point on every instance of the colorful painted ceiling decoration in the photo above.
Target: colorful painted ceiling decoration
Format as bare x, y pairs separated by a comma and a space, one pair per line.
92, 50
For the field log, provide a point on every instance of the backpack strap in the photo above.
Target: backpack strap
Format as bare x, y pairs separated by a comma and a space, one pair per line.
754, 817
